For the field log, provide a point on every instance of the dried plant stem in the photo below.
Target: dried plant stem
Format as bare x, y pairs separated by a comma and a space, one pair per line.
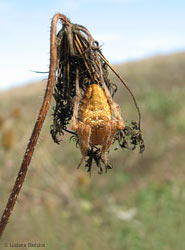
80, 49
38, 125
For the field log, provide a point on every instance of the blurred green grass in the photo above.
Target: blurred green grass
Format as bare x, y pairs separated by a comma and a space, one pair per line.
139, 204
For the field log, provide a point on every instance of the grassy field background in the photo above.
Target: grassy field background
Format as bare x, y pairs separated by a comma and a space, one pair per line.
138, 205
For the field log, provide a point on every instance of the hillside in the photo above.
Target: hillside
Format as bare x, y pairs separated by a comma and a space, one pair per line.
139, 204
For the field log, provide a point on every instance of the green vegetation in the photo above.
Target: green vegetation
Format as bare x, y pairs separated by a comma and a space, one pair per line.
138, 205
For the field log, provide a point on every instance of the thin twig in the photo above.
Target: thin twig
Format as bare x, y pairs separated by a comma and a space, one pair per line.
38, 125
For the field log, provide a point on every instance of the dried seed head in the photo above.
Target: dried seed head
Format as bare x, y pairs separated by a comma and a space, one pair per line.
78, 51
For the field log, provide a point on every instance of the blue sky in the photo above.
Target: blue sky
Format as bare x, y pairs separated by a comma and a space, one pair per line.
127, 29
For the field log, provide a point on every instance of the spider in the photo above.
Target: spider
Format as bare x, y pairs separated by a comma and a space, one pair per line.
93, 120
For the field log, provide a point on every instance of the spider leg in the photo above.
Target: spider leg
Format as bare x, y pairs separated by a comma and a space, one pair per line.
74, 120
84, 133
114, 106
110, 129
117, 112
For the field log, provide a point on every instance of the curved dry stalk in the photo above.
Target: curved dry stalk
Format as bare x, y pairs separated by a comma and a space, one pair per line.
38, 125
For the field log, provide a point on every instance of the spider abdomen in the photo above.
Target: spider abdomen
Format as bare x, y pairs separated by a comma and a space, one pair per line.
94, 110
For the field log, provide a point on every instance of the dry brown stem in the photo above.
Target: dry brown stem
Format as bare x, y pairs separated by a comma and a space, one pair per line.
38, 125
